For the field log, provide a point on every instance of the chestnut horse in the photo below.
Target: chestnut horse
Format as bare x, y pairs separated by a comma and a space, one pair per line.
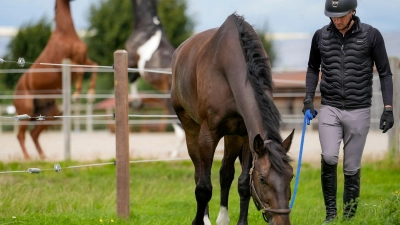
63, 43
148, 47
222, 87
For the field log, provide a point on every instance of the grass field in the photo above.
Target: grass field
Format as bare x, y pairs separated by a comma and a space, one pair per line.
163, 193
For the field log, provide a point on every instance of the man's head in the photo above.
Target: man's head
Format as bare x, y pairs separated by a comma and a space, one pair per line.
341, 12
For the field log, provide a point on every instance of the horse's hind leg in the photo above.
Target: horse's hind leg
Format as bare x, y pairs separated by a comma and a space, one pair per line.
35, 132
21, 139
192, 131
23, 106
207, 143
232, 149
50, 110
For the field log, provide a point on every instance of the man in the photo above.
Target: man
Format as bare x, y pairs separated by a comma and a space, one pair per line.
346, 51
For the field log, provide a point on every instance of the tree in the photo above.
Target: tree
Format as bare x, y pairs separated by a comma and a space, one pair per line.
177, 25
269, 48
267, 43
112, 21
28, 44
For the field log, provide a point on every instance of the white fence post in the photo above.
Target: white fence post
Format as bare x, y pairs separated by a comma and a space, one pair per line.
89, 119
77, 112
66, 86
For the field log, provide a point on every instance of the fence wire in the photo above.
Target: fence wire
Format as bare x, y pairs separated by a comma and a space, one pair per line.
57, 167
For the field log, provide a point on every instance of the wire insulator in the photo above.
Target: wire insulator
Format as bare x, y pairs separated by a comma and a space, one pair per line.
34, 170
21, 117
21, 62
57, 167
40, 118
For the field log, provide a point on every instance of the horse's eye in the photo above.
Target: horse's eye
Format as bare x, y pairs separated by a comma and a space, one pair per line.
262, 180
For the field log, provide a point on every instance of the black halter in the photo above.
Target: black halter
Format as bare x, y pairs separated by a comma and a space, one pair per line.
265, 208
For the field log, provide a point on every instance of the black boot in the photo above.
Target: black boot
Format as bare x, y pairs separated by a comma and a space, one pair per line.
351, 194
329, 188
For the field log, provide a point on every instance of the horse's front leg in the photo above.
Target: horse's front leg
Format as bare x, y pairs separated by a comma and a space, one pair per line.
136, 102
207, 144
77, 77
232, 149
244, 183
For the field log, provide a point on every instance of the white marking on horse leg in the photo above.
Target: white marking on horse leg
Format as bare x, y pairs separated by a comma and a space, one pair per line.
147, 50
180, 139
134, 90
156, 21
136, 101
223, 217
206, 220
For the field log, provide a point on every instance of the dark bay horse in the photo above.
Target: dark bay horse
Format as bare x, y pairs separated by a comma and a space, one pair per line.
148, 47
64, 43
222, 87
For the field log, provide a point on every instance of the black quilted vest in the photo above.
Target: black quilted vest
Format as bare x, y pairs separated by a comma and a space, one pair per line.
346, 66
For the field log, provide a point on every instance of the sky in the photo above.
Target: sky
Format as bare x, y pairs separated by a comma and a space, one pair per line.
280, 15
277, 16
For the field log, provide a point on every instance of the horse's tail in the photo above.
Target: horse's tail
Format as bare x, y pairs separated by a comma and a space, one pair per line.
259, 73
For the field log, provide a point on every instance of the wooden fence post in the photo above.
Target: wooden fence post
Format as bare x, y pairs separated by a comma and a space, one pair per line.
66, 86
122, 131
394, 145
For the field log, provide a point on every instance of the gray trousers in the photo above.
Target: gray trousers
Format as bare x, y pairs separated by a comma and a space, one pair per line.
351, 126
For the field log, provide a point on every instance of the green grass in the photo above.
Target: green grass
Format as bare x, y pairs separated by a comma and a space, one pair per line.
163, 193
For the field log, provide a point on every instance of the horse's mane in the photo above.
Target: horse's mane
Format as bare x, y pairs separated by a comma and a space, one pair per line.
259, 74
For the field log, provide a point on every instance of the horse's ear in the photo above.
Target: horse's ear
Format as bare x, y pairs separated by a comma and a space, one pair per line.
258, 144
288, 141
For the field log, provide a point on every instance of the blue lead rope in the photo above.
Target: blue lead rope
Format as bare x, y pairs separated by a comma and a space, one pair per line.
307, 118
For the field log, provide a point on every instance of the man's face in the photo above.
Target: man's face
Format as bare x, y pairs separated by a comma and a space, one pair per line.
341, 22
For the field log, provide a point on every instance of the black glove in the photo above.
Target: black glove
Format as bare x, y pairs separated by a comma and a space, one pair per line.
387, 120
309, 104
